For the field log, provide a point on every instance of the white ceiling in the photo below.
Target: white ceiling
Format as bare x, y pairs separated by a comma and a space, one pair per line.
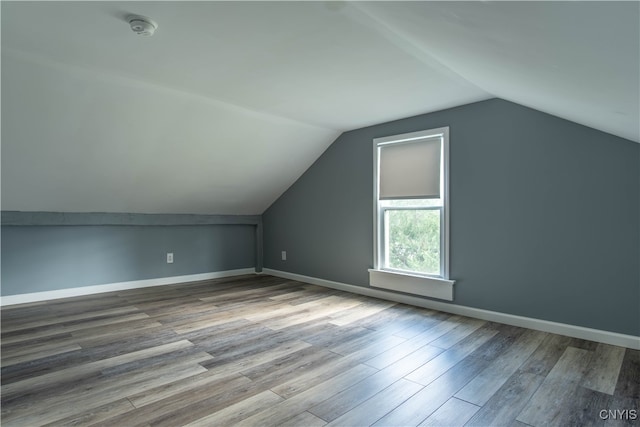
230, 102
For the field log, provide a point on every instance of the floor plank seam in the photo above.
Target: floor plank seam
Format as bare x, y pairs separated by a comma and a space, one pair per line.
210, 350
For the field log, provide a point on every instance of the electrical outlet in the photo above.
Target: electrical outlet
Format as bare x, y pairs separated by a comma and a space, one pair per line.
169, 257
284, 255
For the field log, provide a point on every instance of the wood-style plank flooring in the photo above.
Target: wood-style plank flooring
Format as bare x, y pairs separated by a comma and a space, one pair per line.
265, 351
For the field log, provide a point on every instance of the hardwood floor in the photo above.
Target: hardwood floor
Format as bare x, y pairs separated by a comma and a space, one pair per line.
265, 351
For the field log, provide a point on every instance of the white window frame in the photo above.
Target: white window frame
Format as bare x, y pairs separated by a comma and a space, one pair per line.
436, 286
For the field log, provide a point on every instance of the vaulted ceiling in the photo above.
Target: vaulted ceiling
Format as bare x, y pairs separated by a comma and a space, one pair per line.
230, 102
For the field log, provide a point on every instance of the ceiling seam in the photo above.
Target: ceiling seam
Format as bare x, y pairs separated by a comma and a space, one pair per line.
116, 78
407, 44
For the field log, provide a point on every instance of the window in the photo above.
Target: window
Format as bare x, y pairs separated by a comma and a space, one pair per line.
411, 213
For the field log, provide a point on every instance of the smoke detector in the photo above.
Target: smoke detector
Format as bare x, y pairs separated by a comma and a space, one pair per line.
142, 25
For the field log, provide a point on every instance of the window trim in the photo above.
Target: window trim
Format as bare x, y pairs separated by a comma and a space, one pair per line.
378, 272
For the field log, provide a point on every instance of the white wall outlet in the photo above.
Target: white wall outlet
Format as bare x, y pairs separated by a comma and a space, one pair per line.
284, 255
169, 257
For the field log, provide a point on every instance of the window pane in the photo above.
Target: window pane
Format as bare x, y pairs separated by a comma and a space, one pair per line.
412, 240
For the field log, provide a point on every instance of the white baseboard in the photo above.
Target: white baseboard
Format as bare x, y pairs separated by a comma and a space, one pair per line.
613, 338
110, 287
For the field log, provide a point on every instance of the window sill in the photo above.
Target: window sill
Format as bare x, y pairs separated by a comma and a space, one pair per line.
432, 287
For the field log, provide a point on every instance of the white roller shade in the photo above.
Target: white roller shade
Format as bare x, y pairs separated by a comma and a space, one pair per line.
410, 170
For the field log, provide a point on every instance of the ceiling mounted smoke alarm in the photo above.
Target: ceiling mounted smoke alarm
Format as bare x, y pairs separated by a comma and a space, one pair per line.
142, 25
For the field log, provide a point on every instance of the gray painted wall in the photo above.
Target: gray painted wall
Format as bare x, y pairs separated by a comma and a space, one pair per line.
44, 258
545, 216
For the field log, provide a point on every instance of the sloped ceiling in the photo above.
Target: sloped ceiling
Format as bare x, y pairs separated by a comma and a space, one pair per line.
229, 102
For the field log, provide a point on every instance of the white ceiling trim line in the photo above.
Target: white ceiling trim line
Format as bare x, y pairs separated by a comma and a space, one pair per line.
408, 44
115, 78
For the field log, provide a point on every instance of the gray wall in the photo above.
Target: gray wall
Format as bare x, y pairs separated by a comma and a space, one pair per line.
44, 258
545, 217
